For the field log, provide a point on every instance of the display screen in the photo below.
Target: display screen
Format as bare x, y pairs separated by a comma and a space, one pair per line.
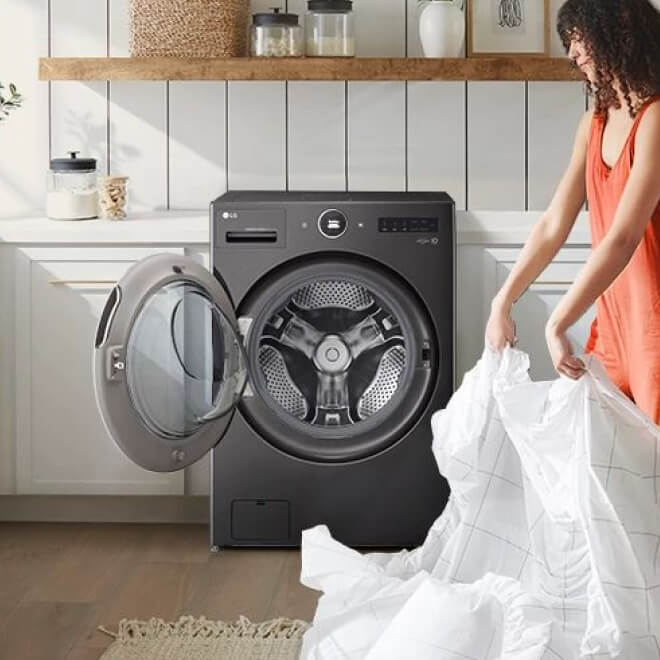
408, 225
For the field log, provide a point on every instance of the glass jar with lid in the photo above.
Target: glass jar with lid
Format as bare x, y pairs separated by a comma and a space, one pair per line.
329, 28
276, 35
72, 193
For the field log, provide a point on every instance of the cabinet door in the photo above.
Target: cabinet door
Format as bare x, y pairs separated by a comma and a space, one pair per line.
533, 309
62, 446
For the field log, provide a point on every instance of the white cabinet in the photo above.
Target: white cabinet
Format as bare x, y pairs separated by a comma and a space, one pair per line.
533, 309
481, 272
61, 444
55, 443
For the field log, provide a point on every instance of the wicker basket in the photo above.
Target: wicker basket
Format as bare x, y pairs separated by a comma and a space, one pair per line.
189, 28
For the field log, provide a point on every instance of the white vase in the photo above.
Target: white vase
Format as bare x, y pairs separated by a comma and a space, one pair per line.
441, 28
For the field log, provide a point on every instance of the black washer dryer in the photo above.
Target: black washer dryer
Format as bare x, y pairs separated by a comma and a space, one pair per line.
309, 361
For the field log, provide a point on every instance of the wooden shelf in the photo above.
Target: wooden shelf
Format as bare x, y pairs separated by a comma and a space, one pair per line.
306, 68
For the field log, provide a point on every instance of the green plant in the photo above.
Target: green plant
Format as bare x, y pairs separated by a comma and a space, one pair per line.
9, 103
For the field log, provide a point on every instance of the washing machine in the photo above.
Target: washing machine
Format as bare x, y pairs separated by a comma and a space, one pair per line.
308, 360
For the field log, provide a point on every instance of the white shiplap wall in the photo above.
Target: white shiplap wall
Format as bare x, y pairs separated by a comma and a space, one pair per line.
491, 145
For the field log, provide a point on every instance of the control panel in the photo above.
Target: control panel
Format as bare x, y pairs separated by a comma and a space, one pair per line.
408, 225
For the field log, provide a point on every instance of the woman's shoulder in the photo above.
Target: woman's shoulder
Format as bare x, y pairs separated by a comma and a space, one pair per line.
651, 110
645, 144
585, 126
648, 128
587, 120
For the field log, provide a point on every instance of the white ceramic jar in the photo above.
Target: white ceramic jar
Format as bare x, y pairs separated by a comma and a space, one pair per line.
442, 28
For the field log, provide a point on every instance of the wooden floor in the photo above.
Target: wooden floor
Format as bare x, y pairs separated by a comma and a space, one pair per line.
58, 582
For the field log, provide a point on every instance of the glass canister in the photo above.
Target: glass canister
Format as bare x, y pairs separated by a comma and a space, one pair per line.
329, 28
72, 193
276, 35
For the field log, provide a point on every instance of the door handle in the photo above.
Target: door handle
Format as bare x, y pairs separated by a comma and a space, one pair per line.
109, 310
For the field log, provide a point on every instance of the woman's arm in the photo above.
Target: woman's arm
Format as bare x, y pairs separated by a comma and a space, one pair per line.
636, 207
547, 236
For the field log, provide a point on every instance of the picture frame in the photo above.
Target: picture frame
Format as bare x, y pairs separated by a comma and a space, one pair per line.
506, 28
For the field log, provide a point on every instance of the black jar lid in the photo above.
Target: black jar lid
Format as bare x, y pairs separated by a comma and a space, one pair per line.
275, 18
73, 163
330, 5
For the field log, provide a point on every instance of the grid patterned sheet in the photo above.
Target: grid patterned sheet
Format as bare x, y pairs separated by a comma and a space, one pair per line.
548, 549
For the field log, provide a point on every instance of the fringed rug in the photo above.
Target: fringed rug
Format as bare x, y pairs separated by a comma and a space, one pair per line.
192, 638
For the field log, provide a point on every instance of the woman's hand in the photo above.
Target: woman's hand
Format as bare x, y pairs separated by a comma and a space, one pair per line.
500, 329
561, 352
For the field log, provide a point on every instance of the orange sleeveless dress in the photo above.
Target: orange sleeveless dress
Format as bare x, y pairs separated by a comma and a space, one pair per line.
625, 335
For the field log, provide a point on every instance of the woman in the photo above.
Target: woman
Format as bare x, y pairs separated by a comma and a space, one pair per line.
615, 164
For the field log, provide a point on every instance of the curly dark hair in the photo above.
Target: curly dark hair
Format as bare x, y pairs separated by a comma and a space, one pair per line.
622, 38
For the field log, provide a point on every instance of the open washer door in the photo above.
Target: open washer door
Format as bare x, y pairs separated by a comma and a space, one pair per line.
169, 364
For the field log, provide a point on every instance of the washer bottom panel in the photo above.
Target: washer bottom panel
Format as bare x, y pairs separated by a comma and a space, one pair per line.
261, 497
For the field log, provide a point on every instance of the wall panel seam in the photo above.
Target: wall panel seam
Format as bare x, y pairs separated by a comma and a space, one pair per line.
107, 126
467, 154
346, 87
226, 135
107, 89
49, 18
526, 145
168, 168
405, 29
286, 135
109, 129
405, 111
405, 135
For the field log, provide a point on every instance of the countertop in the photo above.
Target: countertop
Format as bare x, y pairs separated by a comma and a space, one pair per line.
192, 228
166, 228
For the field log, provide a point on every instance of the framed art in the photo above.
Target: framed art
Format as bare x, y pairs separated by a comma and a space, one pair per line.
508, 27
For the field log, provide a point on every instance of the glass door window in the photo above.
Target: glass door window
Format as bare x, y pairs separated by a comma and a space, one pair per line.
178, 361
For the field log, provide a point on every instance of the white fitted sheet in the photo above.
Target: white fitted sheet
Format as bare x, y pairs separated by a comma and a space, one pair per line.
548, 549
